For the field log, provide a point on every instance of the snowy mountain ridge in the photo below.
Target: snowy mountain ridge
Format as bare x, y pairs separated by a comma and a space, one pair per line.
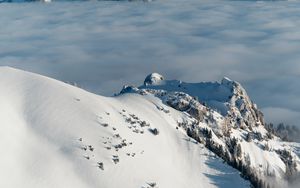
229, 124
156, 135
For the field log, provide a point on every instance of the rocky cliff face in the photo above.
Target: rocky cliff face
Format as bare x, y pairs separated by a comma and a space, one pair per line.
241, 109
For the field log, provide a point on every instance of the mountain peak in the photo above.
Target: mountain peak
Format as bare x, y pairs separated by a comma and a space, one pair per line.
226, 80
153, 79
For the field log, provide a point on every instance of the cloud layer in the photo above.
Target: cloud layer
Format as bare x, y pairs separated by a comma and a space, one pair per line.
104, 45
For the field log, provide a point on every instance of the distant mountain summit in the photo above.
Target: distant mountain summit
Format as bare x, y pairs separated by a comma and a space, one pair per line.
153, 79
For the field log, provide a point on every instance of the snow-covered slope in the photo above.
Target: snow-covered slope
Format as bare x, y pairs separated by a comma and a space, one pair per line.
56, 135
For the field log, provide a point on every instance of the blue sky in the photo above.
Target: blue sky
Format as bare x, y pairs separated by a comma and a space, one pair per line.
104, 45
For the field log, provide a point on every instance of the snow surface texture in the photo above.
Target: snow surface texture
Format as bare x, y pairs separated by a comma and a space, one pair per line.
57, 135
256, 43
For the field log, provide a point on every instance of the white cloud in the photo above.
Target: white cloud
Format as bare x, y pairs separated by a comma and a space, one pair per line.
279, 115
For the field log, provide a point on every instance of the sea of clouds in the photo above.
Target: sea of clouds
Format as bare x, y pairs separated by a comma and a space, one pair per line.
103, 45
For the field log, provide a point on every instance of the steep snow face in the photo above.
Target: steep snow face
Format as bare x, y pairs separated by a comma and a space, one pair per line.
57, 135
224, 118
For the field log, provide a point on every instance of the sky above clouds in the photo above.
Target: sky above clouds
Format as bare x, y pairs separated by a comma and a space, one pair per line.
104, 45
